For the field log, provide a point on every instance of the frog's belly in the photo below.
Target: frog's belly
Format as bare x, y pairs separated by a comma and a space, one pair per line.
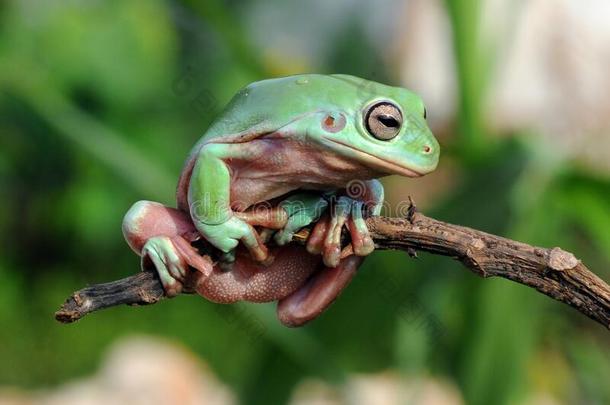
246, 191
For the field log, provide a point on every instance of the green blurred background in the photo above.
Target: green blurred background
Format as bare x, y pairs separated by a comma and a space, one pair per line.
100, 103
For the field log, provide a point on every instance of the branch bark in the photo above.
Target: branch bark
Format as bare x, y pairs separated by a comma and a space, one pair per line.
553, 272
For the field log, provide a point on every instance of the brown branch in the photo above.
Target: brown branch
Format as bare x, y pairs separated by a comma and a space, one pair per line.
553, 272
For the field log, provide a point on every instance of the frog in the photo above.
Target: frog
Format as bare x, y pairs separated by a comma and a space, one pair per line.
316, 146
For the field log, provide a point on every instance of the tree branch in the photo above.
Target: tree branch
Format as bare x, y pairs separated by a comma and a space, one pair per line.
553, 272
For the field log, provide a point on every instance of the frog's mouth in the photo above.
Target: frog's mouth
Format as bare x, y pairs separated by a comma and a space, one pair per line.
383, 165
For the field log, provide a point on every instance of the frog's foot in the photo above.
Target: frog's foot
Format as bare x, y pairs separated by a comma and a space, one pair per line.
161, 254
302, 209
227, 235
162, 236
325, 238
177, 263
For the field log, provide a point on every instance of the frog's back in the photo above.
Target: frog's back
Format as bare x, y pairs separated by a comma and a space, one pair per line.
263, 106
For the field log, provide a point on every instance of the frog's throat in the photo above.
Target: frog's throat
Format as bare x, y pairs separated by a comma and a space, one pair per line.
385, 165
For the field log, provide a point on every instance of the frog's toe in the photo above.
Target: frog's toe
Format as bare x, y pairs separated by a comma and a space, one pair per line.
325, 237
362, 243
317, 236
227, 260
266, 234
283, 237
160, 253
331, 253
294, 224
301, 209
255, 245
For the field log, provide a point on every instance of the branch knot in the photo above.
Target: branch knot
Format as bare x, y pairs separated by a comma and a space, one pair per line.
560, 260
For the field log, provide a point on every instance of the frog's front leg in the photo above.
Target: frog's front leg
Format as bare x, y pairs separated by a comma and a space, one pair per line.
210, 205
301, 210
325, 237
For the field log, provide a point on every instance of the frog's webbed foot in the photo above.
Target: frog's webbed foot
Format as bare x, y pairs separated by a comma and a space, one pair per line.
162, 236
325, 238
160, 253
227, 235
174, 259
302, 209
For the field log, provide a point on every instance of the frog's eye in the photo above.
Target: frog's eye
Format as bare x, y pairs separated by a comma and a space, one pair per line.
383, 120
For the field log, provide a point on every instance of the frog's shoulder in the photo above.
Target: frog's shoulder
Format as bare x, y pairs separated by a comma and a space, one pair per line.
254, 112
232, 126
258, 130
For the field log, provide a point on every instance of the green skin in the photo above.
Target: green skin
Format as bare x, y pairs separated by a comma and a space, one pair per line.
286, 116
299, 139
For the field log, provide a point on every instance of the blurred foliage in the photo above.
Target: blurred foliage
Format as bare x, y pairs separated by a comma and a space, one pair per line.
101, 102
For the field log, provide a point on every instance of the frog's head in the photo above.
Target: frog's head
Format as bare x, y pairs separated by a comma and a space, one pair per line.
382, 127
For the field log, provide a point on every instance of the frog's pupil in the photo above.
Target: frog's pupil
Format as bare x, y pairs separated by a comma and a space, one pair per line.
388, 121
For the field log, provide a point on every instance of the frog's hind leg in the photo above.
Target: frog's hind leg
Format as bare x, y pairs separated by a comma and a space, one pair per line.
254, 282
161, 237
311, 299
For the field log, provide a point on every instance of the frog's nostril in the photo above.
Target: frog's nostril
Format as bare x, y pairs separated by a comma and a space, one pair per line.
427, 149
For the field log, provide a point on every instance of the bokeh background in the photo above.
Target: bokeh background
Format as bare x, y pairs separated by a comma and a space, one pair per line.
100, 102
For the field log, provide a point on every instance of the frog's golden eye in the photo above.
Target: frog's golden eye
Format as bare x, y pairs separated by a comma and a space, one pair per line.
383, 120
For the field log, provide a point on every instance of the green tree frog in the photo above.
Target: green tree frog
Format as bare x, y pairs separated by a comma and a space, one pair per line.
314, 144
